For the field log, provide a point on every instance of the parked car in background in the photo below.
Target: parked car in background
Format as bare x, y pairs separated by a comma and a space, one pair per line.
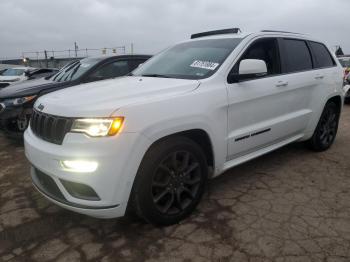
40, 73
345, 62
13, 75
347, 89
148, 142
16, 102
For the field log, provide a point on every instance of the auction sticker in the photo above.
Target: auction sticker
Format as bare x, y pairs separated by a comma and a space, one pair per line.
204, 65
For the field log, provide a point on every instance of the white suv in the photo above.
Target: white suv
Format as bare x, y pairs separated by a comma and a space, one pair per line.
150, 141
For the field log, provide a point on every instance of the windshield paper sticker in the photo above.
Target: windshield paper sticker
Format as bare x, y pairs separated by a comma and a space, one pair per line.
205, 65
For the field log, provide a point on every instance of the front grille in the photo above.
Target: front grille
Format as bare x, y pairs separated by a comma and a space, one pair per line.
50, 128
3, 85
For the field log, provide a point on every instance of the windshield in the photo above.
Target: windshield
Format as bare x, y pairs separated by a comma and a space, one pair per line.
75, 70
13, 72
192, 60
345, 62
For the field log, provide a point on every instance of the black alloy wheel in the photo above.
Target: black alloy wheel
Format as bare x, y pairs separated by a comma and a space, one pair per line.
170, 181
176, 182
327, 128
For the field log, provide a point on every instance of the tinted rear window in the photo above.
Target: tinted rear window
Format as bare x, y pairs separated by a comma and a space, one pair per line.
298, 56
322, 56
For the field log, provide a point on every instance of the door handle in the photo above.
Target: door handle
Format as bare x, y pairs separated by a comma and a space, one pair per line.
282, 84
319, 77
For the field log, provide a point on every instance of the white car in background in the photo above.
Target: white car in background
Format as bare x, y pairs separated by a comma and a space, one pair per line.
345, 62
13, 75
150, 141
347, 88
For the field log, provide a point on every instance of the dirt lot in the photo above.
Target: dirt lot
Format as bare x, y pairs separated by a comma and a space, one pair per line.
291, 205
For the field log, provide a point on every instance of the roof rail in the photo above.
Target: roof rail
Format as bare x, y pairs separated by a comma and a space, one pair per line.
276, 31
217, 32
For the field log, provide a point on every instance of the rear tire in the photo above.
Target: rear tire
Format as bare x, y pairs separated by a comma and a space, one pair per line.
327, 128
170, 181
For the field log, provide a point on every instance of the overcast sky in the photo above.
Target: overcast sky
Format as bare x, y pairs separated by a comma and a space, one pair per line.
36, 25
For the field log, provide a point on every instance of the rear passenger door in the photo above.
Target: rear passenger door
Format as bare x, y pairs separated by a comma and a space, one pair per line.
326, 73
302, 79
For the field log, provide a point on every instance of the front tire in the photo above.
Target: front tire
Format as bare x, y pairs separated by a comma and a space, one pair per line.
170, 181
327, 128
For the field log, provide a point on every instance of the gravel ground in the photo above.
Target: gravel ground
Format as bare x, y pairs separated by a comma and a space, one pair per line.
290, 205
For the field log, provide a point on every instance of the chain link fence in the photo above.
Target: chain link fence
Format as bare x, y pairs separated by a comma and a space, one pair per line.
58, 58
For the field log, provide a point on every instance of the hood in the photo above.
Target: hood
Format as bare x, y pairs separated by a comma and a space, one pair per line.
27, 88
10, 78
101, 99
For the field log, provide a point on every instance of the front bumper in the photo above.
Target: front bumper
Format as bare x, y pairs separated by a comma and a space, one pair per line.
118, 159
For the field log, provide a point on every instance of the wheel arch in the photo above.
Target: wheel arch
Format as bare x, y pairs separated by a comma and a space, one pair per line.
197, 135
338, 101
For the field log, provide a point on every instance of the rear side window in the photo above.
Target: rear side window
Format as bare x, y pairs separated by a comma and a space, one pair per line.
321, 55
297, 56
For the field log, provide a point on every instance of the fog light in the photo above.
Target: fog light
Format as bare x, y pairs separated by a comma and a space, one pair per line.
79, 166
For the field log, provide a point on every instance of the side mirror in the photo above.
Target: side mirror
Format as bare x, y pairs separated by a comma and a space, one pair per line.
249, 68
252, 67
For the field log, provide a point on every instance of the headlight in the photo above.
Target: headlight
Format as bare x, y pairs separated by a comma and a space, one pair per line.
20, 101
98, 127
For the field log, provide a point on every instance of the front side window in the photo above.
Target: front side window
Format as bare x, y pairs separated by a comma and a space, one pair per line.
263, 49
191, 60
13, 72
322, 56
297, 56
111, 70
135, 63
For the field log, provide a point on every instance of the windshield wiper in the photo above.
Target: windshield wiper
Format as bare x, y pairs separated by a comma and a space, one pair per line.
156, 75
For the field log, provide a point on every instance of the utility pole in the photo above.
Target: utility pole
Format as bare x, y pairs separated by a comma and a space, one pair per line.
132, 48
46, 62
76, 49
